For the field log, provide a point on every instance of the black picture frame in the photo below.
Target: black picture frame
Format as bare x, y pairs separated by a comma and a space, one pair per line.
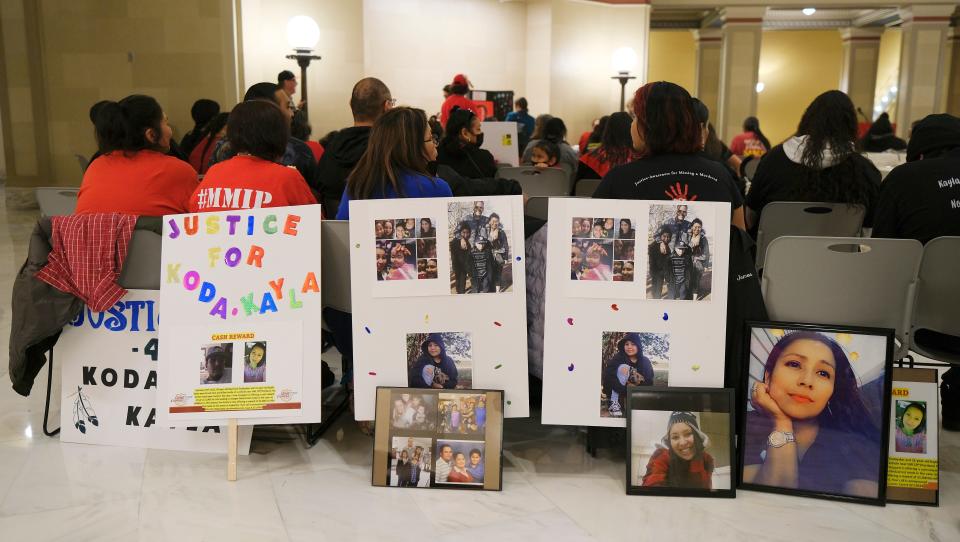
668, 401
491, 437
748, 441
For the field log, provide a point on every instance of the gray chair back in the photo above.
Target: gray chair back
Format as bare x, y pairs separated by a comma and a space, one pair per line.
822, 280
56, 201
781, 218
537, 207
335, 264
539, 181
750, 168
938, 297
141, 268
586, 187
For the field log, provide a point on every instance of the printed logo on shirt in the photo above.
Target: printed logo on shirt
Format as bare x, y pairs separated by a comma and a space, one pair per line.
232, 198
676, 192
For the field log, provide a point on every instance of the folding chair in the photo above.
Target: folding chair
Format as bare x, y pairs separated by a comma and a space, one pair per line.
539, 181
780, 218
935, 330
56, 201
586, 187
822, 280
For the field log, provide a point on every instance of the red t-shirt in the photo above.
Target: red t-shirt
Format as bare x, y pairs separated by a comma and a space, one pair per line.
316, 148
747, 144
452, 101
248, 182
200, 159
145, 183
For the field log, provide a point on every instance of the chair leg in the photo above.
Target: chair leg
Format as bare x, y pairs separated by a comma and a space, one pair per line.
46, 405
313, 432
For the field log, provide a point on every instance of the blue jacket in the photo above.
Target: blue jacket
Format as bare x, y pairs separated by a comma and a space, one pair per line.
412, 185
419, 378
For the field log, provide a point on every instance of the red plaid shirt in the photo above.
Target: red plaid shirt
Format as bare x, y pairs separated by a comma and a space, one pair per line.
87, 256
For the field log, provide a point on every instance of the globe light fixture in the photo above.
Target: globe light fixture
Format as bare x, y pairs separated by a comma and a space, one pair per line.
760, 87
303, 35
623, 61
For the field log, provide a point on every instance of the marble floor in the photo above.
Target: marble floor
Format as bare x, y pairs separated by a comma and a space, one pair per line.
552, 489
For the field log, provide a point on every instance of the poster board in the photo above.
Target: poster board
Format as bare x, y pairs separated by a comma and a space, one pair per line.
108, 366
242, 313
599, 298
500, 138
399, 307
913, 470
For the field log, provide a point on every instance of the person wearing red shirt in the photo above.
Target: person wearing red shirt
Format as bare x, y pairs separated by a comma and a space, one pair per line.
457, 98
751, 142
252, 179
211, 133
133, 175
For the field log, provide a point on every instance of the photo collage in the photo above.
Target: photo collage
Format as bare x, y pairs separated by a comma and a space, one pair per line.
438, 438
679, 264
216, 366
602, 249
406, 248
480, 253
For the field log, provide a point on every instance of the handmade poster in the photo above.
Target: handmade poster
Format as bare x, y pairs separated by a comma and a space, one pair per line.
241, 297
461, 323
824, 390
108, 377
681, 442
450, 439
913, 471
500, 138
627, 306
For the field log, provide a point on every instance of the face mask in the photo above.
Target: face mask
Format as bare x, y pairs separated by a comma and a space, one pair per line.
432, 167
479, 142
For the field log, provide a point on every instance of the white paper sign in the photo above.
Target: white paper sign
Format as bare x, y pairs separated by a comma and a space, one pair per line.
109, 379
242, 315
636, 294
456, 280
500, 138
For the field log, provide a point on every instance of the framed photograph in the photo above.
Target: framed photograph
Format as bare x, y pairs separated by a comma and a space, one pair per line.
680, 442
913, 470
436, 438
817, 412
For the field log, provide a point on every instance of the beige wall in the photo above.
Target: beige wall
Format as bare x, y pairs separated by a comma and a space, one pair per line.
673, 57
90, 50
795, 67
341, 44
888, 67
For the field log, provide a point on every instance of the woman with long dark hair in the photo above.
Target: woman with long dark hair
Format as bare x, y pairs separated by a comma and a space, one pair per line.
133, 175
397, 161
680, 458
666, 135
751, 142
210, 134
615, 149
810, 428
460, 146
819, 163
555, 131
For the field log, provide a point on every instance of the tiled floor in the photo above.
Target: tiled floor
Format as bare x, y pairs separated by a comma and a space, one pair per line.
553, 490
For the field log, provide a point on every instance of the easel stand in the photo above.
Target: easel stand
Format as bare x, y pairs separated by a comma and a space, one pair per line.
232, 439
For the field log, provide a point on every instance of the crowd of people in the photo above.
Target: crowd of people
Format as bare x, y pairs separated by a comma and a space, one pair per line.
666, 148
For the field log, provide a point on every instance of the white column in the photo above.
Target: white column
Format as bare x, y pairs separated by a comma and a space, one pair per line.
740, 62
858, 76
953, 85
923, 63
709, 45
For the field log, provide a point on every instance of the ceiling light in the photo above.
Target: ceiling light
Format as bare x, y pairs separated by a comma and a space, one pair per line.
809, 11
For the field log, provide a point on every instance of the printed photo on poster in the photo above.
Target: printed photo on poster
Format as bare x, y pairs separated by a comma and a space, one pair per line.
216, 366
834, 379
255, 361
602, 249
630, 359
679, 263
463, 414
414, 411
440, 360
460, 462
480, 252
410, 462
911, 427
406, 247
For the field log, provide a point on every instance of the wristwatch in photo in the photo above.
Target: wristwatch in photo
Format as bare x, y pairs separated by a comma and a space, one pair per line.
778, 439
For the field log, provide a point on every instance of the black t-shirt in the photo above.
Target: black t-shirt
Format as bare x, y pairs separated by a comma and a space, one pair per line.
671, 176
778, 178
920, 200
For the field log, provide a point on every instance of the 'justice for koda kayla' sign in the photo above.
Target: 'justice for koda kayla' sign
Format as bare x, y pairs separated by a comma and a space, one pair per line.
108, 380
242, 314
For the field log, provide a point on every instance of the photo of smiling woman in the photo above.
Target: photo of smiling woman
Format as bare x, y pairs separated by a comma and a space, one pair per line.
813, 417
681, 459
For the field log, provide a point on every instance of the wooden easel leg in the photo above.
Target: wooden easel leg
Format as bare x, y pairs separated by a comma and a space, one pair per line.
232, 450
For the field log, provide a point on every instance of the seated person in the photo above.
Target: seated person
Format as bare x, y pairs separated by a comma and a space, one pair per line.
615, 149
880, 137
253, 178
460, 146
545, 154
133, 175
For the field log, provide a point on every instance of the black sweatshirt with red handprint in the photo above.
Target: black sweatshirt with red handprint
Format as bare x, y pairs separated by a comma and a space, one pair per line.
671, 177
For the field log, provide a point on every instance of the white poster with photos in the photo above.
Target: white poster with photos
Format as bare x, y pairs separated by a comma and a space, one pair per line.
636, 295
447, 309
